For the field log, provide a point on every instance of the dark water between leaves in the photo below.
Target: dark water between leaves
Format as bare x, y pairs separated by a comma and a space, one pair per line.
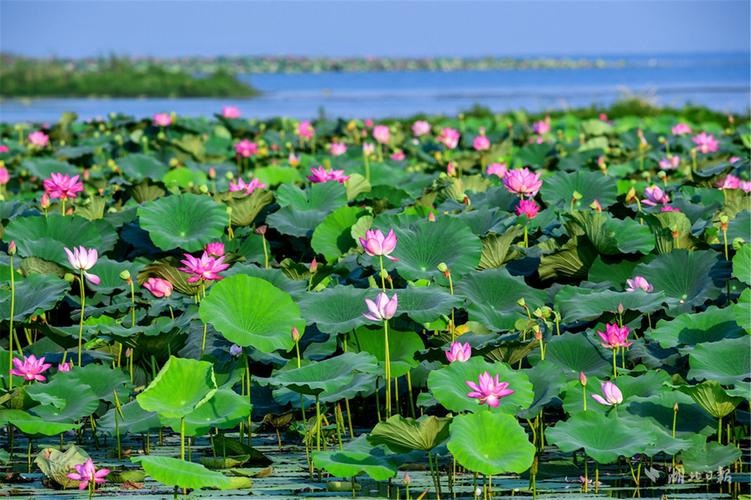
288, 477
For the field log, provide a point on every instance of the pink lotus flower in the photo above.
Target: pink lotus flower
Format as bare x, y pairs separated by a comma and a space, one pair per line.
206, 268
368, 123
158, 287
162, 119
459, 352
528, 208
420, 128
215, 248
705, 143
668, 208
240, 185
398, 155
87, 473
230, 112
305, 130
638, 283
542, 126
376, 244
38, 139
368, 148
613, 395
481, 143
383, 309
65, 367
670, 162
449, 137
615, 336
729, 182
681, 129
522, 182
30, 368
381, 134
489, 390
337, 148
745, 186
235, 350
82, 260
4, 176
497, 169
62, 186
4, 148
655, 196
246, 149
320, 174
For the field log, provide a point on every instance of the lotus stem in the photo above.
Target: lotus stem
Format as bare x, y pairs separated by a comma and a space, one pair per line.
382, 273
387, 356
725, 238
62, 206
586, 474
526, 236
318, 422
367, 167
409, 391
182, 438
250, 400
597, 477
80, 325
378, 400
11, 333
265, 252
719, 431
615, 373
584, 397
453, 321
339, 419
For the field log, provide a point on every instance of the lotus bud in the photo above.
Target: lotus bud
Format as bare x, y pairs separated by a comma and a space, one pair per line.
313, 266
675, 233
538, 332
261, 229
212, 173
620, 309
582, 379
631, 195
407, 480
431, 217
45, 203
675, 407
125, 275
128, 352
12, 247
595, 205
724, 219
295, 334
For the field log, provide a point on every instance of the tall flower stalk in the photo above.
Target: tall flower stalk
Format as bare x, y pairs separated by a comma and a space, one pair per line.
12, 335
383, 309
83, 259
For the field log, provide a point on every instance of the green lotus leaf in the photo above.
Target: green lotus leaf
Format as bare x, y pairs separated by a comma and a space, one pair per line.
61, 401
492, 297
56, 464
138, 167
134, 420
449, 386
332, 237
612, 236
547, 380
613, 274
727, 361
184, 178
38, 292
223, 411
691, 418
223, 462
662, 440
406, 434
44, 167
357, 457
712, 397
175, 472
490, 443
558, 189
422, 246
337, 310
302, 210
245, 209
571, 260
672, 231
585, 304
109, 271
426, 303
706, 456
327, 377
710, 325
181, 386
684, 276
31, 425
252, 312
186, 221
742, 310
575, 353
45, 237
603, 438
742, 264
275, 174
402, 348
739, 226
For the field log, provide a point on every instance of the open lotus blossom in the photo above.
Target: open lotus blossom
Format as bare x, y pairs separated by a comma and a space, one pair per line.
235, 350
240, 185
542, 126
706, 143
30, 368
83, 259
215, 248
162, 119
528, 208
614, 336
398, 155
655, 196
320, 174
246, 148
459, 352
4, 148
376, 244
612, 394
381, 134
205, 268
497, 169
745, 186
670, 162
523, 182
420, 128
65, 367
337, 148
4, 176
481, 143
62, 186
449, 137
638, 283
489, 390
230, 112
729, 182
305, 130
158, 287
681, 129
87, 473
382, 309
38, 139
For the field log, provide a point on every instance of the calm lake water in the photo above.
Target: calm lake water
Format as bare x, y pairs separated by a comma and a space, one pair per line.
720, 81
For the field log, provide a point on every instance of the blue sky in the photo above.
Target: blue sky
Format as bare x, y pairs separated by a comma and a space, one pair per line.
360, 28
